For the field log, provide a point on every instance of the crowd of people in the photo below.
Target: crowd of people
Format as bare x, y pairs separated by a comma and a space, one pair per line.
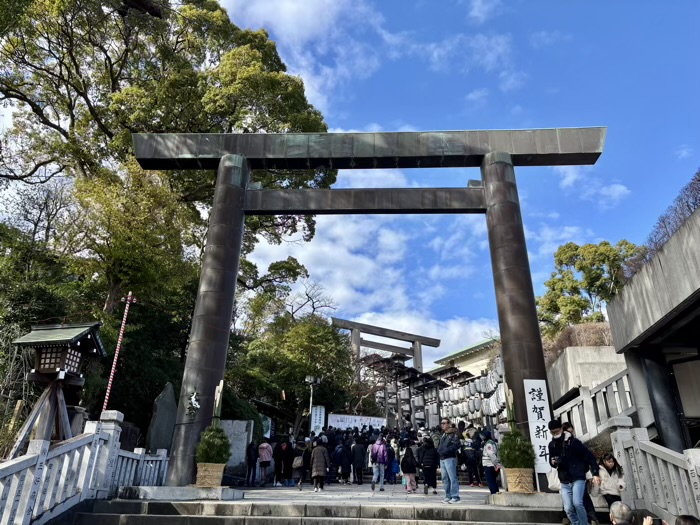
339, 456
385, 454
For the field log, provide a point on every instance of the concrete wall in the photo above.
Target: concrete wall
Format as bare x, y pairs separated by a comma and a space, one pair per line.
239, 433
583, 366
477, 361
670, 279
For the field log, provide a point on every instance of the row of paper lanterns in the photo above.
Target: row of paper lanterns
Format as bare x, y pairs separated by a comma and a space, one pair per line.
471, 403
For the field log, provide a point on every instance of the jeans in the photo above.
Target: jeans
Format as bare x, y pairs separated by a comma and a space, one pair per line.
491, 479
572, 497
448, 469
378, 474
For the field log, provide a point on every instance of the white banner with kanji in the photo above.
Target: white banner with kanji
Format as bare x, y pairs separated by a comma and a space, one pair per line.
318, 418
539, 416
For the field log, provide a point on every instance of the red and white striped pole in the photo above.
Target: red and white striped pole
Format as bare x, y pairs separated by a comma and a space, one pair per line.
129, 299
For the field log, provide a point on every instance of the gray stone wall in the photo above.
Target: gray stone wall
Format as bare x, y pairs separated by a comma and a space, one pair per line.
579, 366
669, 280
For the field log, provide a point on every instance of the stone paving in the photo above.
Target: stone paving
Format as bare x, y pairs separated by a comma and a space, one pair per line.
337, 494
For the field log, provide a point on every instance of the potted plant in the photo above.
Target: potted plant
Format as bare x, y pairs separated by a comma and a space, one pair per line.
213, 452
518, 460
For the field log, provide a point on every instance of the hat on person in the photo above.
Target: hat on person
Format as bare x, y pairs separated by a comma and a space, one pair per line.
554, 424
487, 434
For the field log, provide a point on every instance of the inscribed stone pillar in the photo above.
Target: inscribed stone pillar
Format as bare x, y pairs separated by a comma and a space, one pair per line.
211, 321
515, 298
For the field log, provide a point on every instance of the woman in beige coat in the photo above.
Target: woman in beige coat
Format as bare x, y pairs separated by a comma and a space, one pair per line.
320, 463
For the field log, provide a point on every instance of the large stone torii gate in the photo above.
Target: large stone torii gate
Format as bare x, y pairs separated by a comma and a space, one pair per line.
235, 155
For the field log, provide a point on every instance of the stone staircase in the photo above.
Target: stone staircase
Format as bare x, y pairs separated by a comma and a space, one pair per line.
128, 512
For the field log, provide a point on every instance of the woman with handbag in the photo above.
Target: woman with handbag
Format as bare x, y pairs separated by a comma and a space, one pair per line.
298, 464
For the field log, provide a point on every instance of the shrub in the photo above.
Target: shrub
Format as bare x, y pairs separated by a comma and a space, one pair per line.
516, 451
214, 446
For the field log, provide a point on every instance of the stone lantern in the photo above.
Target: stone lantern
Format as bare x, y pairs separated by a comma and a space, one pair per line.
61, 353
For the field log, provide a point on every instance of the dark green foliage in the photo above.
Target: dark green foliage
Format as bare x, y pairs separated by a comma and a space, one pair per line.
516, 451
240, 409
214, 447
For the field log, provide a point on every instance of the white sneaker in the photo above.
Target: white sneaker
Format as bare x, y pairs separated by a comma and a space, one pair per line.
453, 500
446, 500
315, 489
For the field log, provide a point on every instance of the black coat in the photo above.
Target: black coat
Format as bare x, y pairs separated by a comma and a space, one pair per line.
429, 457
251, 453
358, 456
409, 465
571, 458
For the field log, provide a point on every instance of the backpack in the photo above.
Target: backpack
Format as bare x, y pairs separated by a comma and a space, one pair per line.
374, 454
338, 455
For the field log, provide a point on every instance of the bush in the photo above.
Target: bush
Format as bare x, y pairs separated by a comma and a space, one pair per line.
586, 334
516, 451
214, 446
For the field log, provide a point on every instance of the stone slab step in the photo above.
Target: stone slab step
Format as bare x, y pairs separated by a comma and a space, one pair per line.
439, 513
138, 519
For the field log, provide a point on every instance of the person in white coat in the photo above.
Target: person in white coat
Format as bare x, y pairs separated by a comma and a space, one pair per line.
612, 481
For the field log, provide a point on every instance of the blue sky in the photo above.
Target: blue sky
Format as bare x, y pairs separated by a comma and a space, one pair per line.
487, 64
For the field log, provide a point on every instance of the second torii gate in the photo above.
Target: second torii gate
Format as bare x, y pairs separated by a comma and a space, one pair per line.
415, 351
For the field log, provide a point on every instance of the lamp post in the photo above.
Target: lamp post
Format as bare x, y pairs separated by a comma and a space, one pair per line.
311, 381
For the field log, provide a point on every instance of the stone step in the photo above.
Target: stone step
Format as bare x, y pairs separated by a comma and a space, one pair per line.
301, 513
139, 519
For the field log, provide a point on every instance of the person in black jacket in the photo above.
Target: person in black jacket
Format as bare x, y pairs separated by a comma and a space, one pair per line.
429, 460
409, 468
251, 458
359, 460
572, 459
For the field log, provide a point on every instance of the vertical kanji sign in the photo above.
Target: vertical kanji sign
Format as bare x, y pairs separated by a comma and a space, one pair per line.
539, 417
318, 418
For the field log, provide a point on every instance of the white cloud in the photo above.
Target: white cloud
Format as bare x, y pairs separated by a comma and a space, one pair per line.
511, 80
379, 178
491, 51
482, 10
545, 240
542, 39
477, 97
570, 175
683, 151
608, 196
454, 334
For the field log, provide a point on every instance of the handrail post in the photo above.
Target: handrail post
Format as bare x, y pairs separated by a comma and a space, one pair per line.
138, 474
23, 507
85, 479
620, 433
107, 461
588, 412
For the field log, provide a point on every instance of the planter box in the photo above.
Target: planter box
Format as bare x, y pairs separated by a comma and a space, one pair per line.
210, 474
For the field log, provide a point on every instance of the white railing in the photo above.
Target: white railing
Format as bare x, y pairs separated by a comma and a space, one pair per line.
137, 468
44, 483
660, 480
591, 412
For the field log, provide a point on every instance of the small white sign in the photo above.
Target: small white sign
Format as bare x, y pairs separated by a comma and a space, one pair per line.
344, 421
318, 418
539, 416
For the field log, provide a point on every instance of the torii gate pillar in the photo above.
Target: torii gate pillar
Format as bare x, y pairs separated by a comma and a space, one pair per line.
515, 298
211, 321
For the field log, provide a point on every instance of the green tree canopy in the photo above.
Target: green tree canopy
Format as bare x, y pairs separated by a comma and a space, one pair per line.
585, 278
